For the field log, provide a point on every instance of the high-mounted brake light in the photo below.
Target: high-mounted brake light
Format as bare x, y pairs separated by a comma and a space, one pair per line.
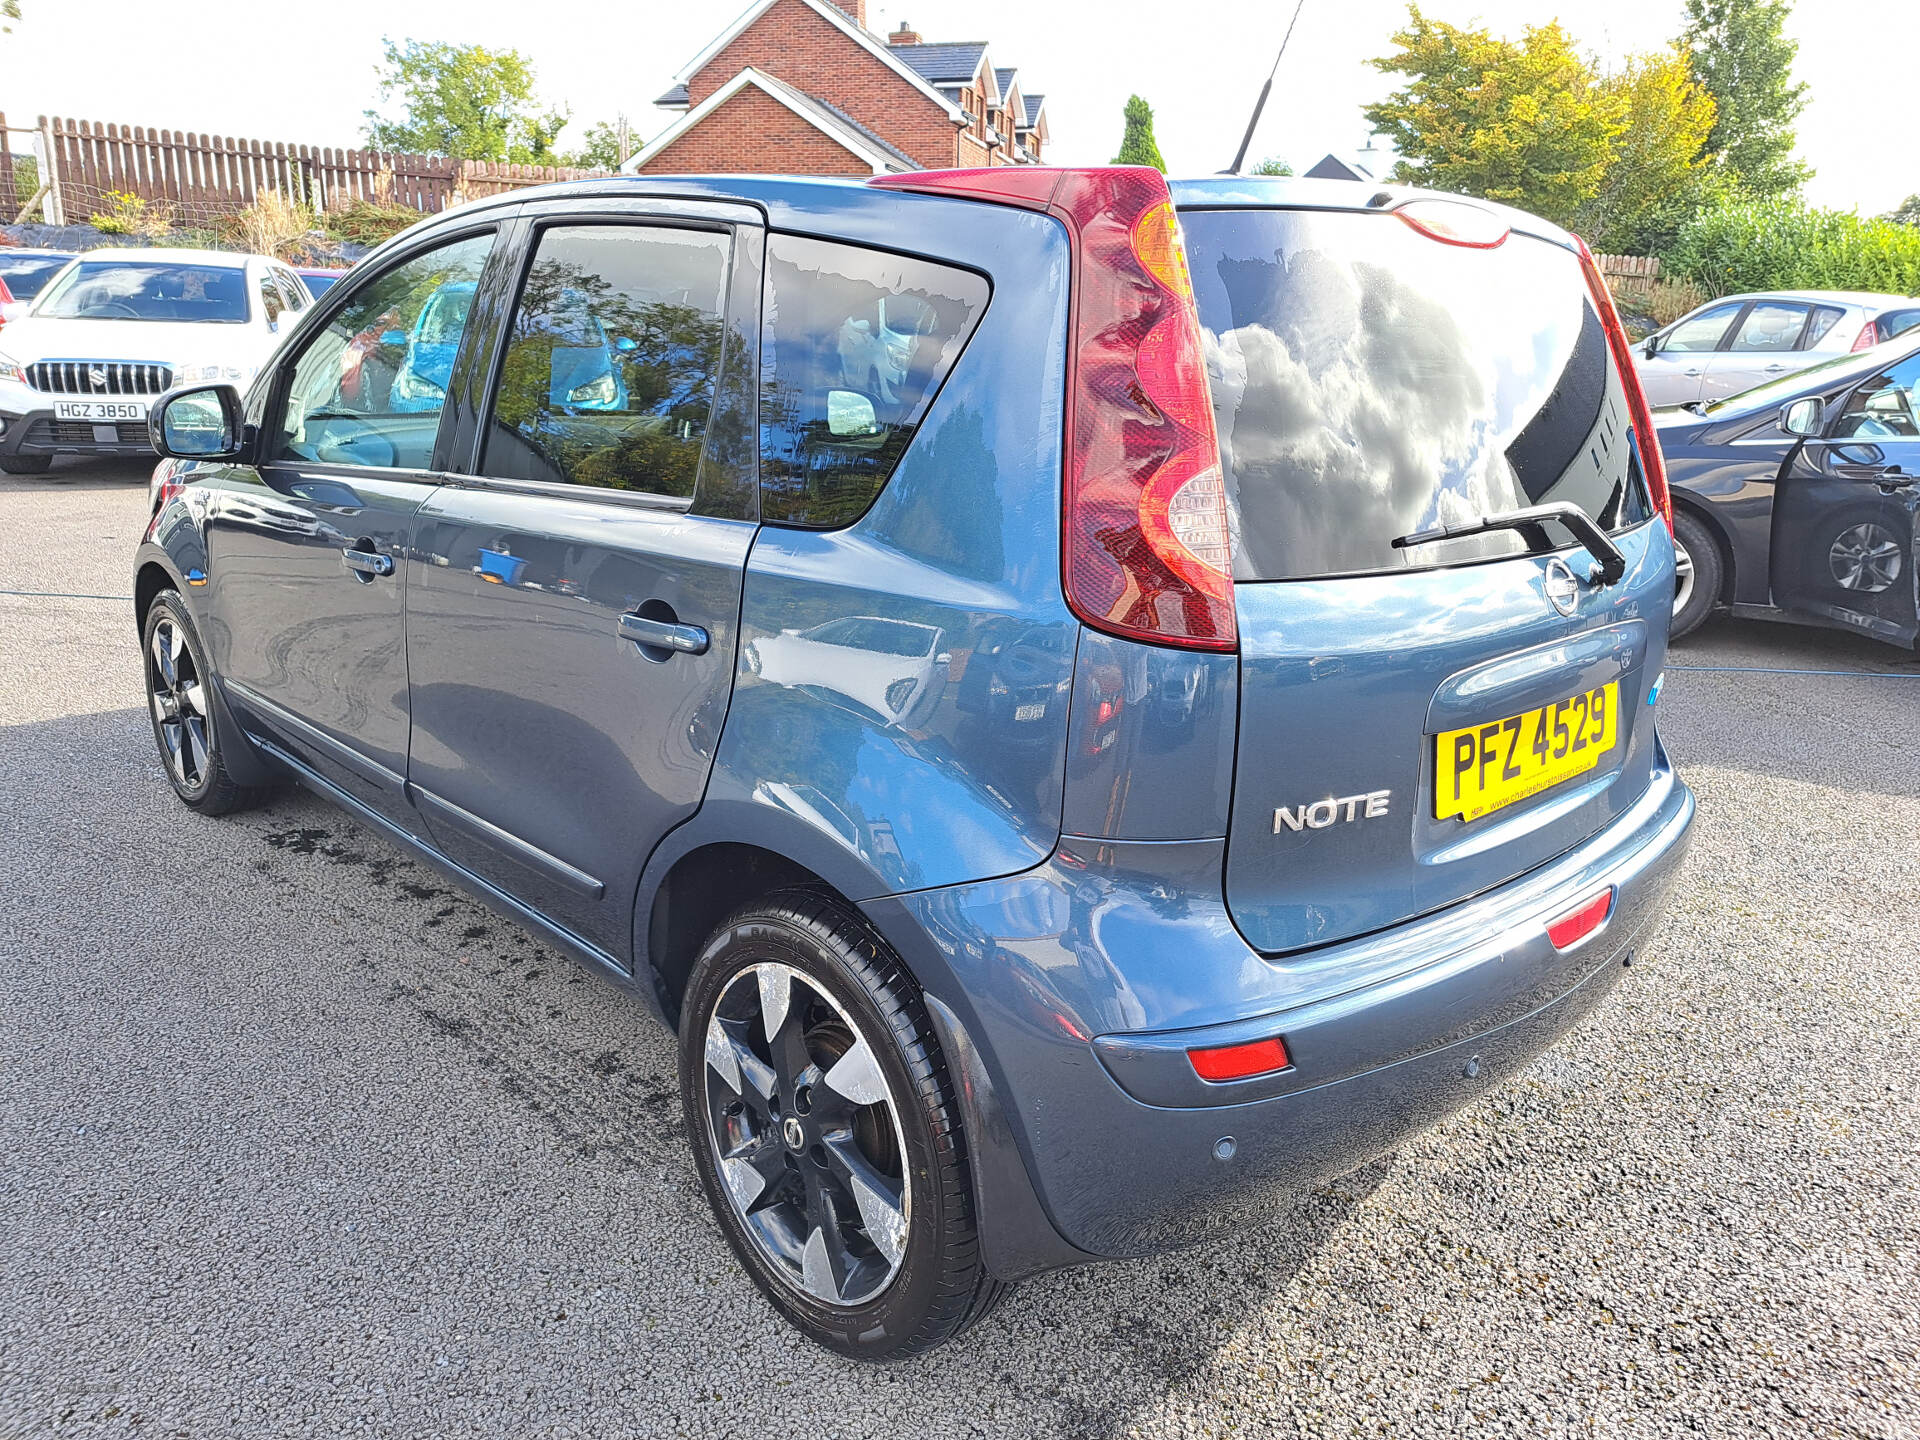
1581, 922
1868, 337
1147, 550
1453, 222
1240, 1062
1652, 464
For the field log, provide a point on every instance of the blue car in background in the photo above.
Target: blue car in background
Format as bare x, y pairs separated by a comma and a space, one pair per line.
1087, 705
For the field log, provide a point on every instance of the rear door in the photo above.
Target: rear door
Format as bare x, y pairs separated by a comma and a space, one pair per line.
573, 605
1843, 513
1419, 723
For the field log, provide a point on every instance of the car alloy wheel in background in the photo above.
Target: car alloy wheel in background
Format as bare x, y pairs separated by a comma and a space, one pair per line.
1864, 557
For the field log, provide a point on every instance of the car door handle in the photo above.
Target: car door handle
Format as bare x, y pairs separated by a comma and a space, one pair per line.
1692, 372
664, 634
1772, 369
367, 562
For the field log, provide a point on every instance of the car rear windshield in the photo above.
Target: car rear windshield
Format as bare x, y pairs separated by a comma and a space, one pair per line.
148, 290
25, 275
1370, 382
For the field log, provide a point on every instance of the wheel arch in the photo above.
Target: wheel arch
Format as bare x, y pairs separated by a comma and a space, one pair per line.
149, 580
1722, 541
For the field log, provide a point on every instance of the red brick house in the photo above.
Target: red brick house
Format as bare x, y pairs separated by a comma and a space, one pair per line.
802, 87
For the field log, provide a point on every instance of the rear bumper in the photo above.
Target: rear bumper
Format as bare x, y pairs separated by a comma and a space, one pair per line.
1083, 984
36, 432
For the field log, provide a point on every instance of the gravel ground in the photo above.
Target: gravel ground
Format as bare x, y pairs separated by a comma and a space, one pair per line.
296, 1140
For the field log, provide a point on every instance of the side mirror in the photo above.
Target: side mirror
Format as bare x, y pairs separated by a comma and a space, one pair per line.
202, 422
1801, 417
1651, 346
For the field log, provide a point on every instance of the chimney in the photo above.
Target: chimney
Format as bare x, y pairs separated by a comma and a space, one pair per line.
856, 9
905, 35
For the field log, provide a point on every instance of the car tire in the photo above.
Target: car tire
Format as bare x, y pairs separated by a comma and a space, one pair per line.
182, 712
26, 464
818, 1103
1701, 574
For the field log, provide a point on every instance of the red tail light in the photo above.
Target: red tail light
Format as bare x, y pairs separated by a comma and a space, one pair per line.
1147, 549
6, 295
1582, 921
1869, 336
1652, 465
1240, 1062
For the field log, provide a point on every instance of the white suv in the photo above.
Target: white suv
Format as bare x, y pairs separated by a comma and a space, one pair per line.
116, 328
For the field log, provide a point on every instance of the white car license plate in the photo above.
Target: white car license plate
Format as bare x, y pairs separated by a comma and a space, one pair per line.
99, 409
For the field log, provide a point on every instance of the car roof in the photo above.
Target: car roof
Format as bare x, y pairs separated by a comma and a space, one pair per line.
226, 259
794, 199
1865, 298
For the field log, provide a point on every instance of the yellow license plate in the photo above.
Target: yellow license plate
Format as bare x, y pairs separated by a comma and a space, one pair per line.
1489, 767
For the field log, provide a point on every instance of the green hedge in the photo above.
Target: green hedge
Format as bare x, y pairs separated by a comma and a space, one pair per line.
1783, 245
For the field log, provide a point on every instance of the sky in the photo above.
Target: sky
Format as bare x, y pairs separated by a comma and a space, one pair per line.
229, 67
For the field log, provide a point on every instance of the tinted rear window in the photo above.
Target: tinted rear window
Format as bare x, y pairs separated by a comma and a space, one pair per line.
1369, 382
855, 345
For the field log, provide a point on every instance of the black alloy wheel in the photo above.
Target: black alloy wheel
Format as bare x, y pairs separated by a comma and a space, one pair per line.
827, 1133
180, 705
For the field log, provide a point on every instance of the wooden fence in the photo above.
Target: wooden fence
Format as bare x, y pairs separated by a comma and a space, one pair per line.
1633, 275
201, 178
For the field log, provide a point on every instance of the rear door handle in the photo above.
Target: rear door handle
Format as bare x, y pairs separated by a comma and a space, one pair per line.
367, 562
1773, 369
664, 635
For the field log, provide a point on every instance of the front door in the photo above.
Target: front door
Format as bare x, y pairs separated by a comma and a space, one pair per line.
1843, 517
1675, 371
572, 608
306, 548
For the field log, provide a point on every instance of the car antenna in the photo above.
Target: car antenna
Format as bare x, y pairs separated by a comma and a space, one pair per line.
1240, 158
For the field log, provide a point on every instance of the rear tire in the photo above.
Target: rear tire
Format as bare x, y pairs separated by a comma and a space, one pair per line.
180, 706
26, 464
818, 1103
1701, 574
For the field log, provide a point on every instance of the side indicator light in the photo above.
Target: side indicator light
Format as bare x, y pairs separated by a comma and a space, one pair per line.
1581, 923
1240, 1062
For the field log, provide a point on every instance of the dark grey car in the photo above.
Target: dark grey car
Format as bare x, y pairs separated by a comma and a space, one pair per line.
1813, 523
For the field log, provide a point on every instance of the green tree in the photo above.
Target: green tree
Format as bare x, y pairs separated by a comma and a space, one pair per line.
1272, 165
600, 149
1527, 123
1907, 212
1660, 172
1746, 63
465, 101
1137, 146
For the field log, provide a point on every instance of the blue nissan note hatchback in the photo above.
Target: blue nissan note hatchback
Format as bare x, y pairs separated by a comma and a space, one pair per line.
1085, 705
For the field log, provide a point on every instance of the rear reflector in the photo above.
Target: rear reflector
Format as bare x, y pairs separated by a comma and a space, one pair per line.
1578, 924
1240, 1062
1146, 545
1646, 440
1869, 336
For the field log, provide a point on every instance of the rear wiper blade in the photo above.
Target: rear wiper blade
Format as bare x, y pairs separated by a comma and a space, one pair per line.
1610, 563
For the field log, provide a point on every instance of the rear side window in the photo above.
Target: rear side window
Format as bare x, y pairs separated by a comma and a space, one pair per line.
1370, 382
612, 359
1825, 317
855, 344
